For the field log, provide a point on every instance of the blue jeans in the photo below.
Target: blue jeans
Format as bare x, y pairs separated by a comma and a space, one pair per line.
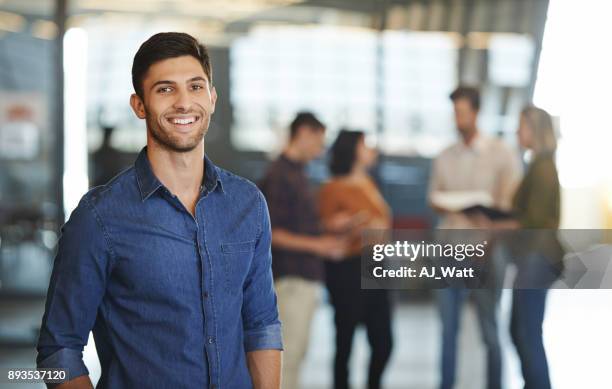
450, 303
526, 330
528, 306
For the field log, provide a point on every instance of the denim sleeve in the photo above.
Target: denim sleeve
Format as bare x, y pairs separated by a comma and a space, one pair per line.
77, 284
65, 358
262, 328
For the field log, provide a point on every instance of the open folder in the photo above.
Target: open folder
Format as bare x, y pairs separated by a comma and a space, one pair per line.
456, 201
491, 213
469, 202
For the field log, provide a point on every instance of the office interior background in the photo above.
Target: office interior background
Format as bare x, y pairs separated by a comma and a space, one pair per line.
386, 67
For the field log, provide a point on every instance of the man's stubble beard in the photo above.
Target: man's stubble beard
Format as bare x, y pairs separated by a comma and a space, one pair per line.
165, 139
466, 132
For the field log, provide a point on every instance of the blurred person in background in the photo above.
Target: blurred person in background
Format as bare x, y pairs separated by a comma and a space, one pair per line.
169, 263
352, 192
299, 244
107, 161
538, 254
476, 163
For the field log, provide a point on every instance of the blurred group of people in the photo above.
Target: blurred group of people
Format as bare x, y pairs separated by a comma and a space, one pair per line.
316, 239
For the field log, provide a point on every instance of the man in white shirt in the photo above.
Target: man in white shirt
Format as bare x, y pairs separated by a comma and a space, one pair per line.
483, 166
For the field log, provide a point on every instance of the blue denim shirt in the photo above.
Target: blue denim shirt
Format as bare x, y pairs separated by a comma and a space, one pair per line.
174, 301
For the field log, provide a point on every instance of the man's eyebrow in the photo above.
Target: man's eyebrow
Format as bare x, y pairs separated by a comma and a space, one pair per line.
162, 82
165, 82
197, 78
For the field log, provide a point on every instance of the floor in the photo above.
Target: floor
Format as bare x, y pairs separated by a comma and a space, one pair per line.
578, 338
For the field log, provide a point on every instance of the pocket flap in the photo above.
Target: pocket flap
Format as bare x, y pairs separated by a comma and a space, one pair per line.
239, 247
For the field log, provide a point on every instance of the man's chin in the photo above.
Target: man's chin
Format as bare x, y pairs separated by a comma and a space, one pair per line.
177, 146
184, 147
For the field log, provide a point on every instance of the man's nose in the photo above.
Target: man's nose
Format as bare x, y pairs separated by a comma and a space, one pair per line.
183, 101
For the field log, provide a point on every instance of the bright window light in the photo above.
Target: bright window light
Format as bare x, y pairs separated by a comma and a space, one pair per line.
75, 178
574, 82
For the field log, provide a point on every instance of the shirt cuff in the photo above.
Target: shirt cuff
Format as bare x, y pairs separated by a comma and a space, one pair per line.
66, 358
265, 338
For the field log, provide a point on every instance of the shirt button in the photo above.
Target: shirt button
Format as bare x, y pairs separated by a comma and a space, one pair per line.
205, 295
211, 340
213, 386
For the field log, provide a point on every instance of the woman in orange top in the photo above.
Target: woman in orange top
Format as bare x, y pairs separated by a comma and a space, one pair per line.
352, 193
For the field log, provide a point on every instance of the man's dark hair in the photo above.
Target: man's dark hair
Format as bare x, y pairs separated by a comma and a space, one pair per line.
163, 46
469, 93
302, 119
344, 152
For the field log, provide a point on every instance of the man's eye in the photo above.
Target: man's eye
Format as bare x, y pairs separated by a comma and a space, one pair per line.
197, 87
164, 89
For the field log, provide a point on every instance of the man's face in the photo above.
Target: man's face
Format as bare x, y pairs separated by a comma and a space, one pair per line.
465, 116
178, 103
312, 142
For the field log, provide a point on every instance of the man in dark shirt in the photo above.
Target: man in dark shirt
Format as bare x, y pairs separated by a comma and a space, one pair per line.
169, 263
298, 245
107, 161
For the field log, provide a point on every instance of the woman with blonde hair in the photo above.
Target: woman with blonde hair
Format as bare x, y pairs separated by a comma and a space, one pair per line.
536, 251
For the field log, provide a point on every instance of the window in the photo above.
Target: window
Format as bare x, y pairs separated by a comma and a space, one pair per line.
279, 71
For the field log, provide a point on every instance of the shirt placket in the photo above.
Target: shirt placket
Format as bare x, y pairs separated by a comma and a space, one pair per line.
210, 328
207, 301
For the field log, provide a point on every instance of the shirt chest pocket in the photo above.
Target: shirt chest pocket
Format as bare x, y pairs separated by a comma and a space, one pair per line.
237, 258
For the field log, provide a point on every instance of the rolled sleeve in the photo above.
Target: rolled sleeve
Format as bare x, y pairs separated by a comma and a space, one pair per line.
78, 282
69, 359
435, 178
261, 324
266, 338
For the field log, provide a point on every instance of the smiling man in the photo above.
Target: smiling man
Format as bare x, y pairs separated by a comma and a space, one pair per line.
169, 263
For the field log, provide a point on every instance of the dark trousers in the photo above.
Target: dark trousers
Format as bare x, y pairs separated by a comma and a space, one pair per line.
353, 306
528, 307
526, 330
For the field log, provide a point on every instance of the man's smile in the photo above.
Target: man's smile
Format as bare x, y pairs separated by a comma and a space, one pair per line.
183, 122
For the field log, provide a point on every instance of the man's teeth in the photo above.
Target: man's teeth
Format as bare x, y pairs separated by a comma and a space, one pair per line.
183, 121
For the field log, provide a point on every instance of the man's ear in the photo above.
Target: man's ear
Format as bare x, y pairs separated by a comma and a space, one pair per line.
138, 106
213, 99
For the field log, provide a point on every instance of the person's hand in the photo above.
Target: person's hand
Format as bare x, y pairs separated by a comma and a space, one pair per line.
344, 221
378, 224
339, 222
481, 221
510, 224
332, 247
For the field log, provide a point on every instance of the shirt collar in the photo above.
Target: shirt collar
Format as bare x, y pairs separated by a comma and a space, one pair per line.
478, 144
292, 163
148, 182
212, 178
